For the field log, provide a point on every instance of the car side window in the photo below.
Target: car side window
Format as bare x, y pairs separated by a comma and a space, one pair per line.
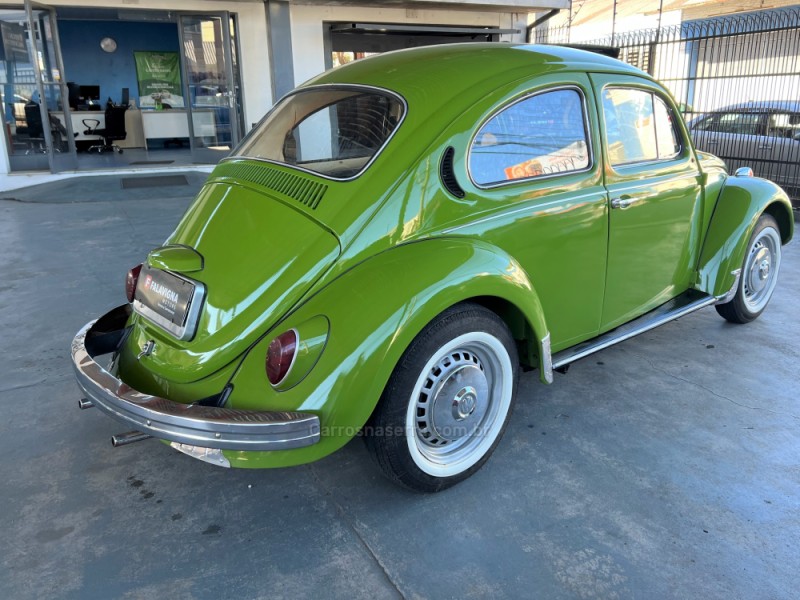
742, 123
783, 125
707, 124
737, 123
639, 127
541, 135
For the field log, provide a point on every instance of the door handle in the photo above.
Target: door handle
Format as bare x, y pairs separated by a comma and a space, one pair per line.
621, 202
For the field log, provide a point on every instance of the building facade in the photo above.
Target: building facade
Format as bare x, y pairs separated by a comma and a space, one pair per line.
138, 84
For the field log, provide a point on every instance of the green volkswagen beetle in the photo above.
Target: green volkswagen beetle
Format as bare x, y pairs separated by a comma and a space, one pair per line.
400, 236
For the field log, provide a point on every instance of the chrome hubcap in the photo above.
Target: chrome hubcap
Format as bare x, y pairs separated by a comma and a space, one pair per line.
459, 404
453, 400
761, 269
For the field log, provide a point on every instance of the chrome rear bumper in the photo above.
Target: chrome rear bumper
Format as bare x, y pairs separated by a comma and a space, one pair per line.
191, 424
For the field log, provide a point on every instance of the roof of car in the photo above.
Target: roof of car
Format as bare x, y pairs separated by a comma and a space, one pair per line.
448, 70
762, 106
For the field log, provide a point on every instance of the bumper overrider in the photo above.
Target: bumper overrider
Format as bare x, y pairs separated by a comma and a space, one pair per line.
201, 431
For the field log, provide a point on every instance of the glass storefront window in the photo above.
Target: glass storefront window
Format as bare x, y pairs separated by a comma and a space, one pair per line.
36, 133
22, 118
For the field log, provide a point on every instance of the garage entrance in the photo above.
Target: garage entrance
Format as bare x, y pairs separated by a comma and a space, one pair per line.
350, 41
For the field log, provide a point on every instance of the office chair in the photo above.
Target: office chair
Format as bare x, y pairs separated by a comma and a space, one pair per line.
37, 144
35, 129
113, 131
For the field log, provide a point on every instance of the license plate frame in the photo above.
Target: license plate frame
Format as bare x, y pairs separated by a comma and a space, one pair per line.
169, 300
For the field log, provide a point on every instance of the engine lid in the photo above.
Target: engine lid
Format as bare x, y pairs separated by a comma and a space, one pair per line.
259, 257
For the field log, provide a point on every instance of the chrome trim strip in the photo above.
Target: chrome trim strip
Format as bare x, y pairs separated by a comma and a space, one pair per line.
586, 129
728, 296
547, 359
381, 90
646, 324
676, 158
195, 425
183, 332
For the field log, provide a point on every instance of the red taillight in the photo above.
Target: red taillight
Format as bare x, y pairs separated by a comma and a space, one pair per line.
130, 281
280, 356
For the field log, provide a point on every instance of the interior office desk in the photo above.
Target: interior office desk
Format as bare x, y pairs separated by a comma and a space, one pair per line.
174, 123
134, 137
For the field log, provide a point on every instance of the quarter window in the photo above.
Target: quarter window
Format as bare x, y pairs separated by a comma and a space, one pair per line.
542, 135
639, 127
667, 140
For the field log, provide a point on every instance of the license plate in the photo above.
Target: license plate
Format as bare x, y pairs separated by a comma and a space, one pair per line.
169, 301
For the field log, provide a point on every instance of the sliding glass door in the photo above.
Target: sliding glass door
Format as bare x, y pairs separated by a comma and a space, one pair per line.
209, 61
35, 114
55, 122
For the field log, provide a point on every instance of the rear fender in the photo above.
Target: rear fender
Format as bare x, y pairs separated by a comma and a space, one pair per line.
741, 202
375, 310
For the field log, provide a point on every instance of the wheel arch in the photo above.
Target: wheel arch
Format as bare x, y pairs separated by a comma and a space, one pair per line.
522, 330
784, 216
740, 204
489, 277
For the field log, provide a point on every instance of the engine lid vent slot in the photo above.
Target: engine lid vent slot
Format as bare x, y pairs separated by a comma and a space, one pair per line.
296, 187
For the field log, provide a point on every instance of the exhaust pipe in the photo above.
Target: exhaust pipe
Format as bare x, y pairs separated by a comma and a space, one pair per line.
85, 403
123, 439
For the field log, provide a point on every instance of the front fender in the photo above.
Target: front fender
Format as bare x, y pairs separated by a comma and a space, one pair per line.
375, 310
741, 202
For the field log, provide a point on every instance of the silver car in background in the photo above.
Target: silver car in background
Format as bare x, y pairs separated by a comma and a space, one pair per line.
764, 135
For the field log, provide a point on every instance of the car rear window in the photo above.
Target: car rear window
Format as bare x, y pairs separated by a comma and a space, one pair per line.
333, 131
538, 136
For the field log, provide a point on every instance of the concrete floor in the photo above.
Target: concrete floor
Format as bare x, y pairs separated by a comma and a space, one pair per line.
666, 467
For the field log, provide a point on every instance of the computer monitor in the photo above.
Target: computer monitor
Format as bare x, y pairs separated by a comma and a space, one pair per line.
89, 93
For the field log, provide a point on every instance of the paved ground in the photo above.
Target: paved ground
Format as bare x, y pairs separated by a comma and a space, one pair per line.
666, 467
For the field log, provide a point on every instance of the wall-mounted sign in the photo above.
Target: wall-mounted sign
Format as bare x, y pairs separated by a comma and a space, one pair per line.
159, 77
14, 47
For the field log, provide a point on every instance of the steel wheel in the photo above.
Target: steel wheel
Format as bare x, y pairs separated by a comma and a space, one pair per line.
447, 403
459, 404
760, 272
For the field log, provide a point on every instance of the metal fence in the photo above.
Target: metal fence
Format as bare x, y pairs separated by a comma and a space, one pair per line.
735, 78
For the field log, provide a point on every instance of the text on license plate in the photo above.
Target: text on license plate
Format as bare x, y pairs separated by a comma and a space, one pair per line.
165, 294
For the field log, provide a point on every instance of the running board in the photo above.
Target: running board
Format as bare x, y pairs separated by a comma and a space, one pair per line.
686, 303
